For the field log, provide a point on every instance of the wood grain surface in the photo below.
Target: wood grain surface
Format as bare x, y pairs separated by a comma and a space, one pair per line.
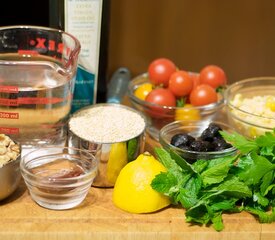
98, 218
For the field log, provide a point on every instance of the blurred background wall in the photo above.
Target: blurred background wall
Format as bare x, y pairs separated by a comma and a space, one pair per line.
238, 35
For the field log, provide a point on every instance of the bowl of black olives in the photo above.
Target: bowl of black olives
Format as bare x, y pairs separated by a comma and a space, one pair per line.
197, 140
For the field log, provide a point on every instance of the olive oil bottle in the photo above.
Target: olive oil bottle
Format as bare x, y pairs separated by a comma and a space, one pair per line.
88, 21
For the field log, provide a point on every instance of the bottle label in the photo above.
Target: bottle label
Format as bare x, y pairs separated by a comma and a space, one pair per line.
83, 20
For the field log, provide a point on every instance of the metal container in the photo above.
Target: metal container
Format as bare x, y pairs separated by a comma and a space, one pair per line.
112, 155
10, 177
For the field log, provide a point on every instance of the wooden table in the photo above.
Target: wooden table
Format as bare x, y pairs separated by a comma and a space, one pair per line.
98, 218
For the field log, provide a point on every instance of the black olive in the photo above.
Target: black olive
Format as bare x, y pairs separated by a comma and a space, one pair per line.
184, 147
181, 139
220, 144
210, 132
201, 146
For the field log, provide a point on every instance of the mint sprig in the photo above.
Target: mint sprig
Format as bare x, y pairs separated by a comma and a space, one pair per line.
208, 188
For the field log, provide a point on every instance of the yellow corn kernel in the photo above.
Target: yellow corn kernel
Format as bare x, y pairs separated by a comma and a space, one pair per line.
270, 103
253, 132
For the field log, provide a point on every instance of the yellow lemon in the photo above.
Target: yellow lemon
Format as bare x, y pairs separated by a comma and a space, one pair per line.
187, 113
133, 192
117, 160
142, 91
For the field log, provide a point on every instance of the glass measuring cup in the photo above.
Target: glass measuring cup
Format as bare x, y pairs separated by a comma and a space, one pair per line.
37, 76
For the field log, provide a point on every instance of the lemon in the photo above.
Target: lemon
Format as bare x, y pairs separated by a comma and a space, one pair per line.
133, 192
142, 91
117, 160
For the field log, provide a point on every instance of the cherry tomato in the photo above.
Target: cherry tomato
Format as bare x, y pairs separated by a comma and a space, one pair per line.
161, 96
143, 90
160, 71
213, 76
196, 79
180, 83
187, 113
202, 95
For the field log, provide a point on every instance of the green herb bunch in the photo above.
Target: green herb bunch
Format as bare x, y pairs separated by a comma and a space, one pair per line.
208, 188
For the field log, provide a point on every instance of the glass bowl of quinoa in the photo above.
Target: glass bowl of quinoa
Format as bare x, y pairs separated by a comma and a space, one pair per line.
250, 106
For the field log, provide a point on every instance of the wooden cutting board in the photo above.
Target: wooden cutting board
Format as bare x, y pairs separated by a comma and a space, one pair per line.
98, 218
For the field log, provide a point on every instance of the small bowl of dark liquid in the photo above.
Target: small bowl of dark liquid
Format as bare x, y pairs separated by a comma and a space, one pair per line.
58, 177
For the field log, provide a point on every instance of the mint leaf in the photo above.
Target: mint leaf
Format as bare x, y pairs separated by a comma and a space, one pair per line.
264, 217
198, 213
217, 172
253, 172
269, 188
181, 162
217, 221
257, 197
233, 187
200, 165
164, 157
226, 204
266, 140
266, 182
194, 184
240, 142
164, 182
187, 198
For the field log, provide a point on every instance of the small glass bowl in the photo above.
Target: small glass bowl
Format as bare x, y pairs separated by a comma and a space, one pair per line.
58, 177
251, 120
194, 129
158, 116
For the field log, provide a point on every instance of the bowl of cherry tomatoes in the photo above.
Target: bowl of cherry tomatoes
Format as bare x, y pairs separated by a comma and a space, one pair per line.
166, 93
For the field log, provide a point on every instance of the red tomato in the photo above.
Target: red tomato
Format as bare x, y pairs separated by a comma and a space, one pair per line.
161, 96
213, 76
160, 71
180, 83
196, 79
203, 95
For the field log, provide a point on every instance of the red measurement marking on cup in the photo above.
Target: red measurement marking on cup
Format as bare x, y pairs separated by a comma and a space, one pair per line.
9, 89
9, 115
29, 100
8, 102
27, 52
8, 130
36, 100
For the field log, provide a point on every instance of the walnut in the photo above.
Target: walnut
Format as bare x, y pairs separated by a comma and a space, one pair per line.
9, 150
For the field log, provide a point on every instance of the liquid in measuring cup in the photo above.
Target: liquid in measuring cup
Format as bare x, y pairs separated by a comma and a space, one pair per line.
35, 100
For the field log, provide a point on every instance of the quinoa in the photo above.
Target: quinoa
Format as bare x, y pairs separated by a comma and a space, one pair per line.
107, 124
